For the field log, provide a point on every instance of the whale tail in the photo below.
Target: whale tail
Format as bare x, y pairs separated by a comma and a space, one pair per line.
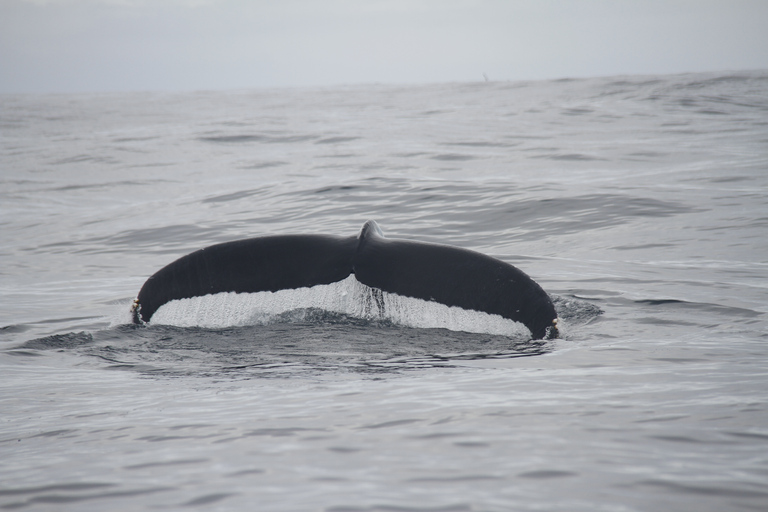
447, 275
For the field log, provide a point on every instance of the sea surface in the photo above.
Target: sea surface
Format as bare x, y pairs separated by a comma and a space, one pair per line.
640, 203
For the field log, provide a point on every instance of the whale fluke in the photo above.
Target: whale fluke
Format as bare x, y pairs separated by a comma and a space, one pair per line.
434, 273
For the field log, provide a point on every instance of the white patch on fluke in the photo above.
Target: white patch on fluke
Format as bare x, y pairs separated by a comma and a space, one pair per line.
349, 297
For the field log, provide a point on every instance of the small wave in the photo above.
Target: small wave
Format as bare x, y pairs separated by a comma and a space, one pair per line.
482, 144
265, 165
58, 341
72, 496
234, 196
243, 138
574, 310
335, 140
730, 311
569, 157
453, 157
233, 138
577, 111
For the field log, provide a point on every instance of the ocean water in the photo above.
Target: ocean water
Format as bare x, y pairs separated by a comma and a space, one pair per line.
639, 203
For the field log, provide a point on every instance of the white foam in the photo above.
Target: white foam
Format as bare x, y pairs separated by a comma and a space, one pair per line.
349, 297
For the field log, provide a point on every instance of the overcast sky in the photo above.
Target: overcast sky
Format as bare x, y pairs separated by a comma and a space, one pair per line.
107, 45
